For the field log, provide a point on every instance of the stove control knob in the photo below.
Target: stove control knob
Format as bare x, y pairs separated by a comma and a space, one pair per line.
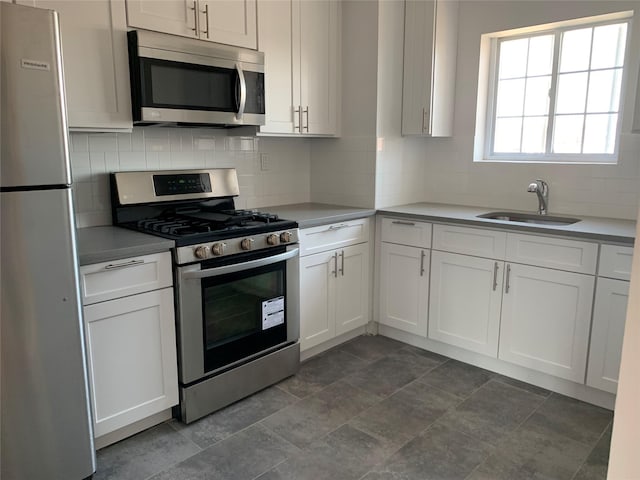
218, 248
201, 252
272, 239
246, 244
285, 237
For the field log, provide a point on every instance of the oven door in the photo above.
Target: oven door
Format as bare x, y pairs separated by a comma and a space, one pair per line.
231, 311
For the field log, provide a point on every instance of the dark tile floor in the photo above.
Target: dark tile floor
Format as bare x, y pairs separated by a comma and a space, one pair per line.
376, 409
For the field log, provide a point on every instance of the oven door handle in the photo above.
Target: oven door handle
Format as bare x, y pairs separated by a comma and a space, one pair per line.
238, 267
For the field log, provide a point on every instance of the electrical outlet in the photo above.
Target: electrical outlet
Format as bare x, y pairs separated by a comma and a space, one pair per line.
265, 164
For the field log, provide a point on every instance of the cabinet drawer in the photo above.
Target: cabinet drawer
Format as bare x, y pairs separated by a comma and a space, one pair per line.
120, 278
570, 255
406, 232
337, 235
615, 262
469, 241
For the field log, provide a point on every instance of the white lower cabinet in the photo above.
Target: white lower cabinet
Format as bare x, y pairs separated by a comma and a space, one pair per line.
132, 358
131, 342
334, 284
545, 320
465, 300
404, 287
609, 315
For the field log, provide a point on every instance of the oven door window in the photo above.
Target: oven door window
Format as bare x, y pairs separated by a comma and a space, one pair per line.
243, 314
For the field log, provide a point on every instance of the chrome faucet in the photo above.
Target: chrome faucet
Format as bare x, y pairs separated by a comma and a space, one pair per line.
541, 188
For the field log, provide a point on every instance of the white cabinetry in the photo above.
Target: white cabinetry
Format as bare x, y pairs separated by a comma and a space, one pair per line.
430, 50
301, 42
545, 320
96, 68
404, 275
224, 21
609, 316
465, 299
334, 282
546, 312
130, 331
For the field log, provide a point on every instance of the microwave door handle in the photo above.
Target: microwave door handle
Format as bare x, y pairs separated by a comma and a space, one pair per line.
239, 267
243, 92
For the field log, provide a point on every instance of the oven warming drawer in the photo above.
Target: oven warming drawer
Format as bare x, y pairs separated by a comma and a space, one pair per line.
217, 392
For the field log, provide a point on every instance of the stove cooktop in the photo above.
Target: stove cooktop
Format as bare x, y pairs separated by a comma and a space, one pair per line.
208, 226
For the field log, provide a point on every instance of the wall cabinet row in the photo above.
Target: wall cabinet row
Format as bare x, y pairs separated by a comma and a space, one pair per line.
233, 22
430, 51
524, 299
301, 43
334, 281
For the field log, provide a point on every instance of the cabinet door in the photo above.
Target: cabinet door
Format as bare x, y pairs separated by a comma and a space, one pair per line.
352, 288
178, 17
545, 320
233, 22
131, 347
430, 50
95, 62
317, 300
609, 315
465, 300
418, 62
317, 60
275, 40
404, 288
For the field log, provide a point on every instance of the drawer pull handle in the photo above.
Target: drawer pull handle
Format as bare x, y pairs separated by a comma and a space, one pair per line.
495, 276
337, 227
132, 263
398, 222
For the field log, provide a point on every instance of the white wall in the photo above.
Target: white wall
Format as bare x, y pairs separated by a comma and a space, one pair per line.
93, 156
400, 165
343, 169
624, 461
452, 177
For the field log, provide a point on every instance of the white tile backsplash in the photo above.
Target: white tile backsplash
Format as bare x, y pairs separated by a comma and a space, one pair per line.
94, 156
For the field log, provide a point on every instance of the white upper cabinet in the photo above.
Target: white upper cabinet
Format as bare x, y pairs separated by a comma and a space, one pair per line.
232, 22
96, 69
430, 50
301, 43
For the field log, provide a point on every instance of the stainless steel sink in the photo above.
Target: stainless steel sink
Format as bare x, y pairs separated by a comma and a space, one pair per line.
529, 218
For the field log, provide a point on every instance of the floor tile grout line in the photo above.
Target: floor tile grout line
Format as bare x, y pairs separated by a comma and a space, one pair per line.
595, 445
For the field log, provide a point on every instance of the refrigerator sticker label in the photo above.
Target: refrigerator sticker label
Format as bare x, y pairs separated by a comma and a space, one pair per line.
34, 64
272, 312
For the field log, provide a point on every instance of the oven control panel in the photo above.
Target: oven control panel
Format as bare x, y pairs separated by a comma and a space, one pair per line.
231, 246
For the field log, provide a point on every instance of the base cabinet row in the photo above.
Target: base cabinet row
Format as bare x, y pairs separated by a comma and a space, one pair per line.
334, 281
529, 315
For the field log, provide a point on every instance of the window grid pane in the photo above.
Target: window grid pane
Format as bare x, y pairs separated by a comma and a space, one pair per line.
584, 117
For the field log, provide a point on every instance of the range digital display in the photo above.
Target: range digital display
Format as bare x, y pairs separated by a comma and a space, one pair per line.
180, 184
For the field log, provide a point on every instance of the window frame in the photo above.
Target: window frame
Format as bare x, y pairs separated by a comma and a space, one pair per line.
492, 97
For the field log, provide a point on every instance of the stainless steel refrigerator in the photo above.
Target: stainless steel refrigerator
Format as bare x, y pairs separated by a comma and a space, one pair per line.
46, 419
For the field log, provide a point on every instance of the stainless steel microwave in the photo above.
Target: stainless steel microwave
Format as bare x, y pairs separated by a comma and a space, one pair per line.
183, 81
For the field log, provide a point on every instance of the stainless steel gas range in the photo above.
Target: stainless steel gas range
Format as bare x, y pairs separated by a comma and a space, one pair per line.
236, 277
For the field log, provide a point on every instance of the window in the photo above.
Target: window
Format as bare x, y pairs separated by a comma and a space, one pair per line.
555, 95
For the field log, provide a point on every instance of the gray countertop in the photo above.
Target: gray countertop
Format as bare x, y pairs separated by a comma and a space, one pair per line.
103, 244
595, 228
315, 214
